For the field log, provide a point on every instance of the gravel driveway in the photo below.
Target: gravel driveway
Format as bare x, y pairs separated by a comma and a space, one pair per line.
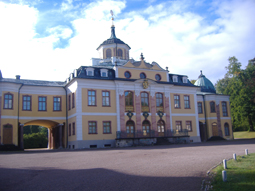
168, 167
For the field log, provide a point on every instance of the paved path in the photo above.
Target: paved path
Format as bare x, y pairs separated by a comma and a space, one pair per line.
171, 167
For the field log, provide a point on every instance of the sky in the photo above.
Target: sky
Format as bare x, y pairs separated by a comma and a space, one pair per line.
48, 39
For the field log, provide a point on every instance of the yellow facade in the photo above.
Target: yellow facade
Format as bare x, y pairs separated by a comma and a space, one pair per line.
99, 122
99, 105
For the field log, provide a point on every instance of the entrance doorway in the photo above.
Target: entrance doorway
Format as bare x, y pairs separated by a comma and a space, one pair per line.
215, 129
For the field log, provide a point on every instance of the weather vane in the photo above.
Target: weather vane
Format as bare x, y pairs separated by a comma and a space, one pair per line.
112, 17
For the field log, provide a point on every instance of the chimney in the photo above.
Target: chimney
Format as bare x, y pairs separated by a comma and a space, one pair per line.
17, 77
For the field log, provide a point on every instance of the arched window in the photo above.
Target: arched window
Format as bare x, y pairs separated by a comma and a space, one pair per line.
224, 108
145, 102
226, 128
212, 106
144, 99
108, 53
146, 128
120, 53
159, 102
161, 127
130, 127
8, 101
129, 104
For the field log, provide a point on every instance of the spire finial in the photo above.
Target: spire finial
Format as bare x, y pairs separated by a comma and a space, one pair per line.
112, 17
201, 72
142, 58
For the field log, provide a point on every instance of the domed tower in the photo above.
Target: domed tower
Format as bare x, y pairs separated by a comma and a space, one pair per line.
205, 84
113, 47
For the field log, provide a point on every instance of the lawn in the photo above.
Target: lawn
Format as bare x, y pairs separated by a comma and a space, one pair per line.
244, 135
240, 175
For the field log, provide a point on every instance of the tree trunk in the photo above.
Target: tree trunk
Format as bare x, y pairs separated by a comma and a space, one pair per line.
251, 128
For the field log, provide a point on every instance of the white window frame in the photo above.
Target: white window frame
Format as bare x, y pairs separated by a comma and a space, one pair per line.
175, 79
102, 71
90, 70
185, 80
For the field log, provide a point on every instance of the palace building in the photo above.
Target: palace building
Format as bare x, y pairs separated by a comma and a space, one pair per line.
115, 102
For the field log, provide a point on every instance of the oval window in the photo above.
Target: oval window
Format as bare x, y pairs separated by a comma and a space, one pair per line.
142, 75
157, 77
127, 74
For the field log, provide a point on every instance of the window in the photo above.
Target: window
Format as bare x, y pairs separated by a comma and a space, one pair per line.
226, 128
224, 108
127, 74
70, 129
184, 79
159, 102
41, 103
69, 102
175, 79
120, 52
161, 126
56, 103
92, 127
212, 106
73, 128
130, 127
186, 102
8, 101
90, 71
145, 102
200, 108
92, 97
26, 103
146, 127
157, 77
177, 101
142, 75
106, 98
144, 99
104, 72
108, 53
188, 125
73, 101
107, 127
178, 125
129, 101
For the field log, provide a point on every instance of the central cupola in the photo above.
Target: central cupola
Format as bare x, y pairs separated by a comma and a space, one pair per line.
113, 47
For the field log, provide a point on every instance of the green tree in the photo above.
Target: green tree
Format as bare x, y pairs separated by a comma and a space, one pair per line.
240, 85
247, 93
35, 140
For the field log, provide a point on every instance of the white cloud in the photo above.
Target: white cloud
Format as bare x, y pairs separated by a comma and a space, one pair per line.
167, 33
61, 31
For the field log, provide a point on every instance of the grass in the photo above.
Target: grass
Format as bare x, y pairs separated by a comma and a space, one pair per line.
240, 175
244, 135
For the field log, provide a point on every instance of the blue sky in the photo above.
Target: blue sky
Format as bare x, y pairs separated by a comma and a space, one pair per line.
48, 39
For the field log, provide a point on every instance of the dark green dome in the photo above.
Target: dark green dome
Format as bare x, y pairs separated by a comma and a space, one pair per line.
205, 84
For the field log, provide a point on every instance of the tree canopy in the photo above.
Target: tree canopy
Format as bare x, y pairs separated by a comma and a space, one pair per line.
240, 85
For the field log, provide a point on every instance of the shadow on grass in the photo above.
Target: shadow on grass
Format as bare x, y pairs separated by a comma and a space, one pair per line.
90, 179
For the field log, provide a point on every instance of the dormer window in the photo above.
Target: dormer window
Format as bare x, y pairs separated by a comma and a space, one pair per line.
184, 80
175, 79
104, 72
90, 71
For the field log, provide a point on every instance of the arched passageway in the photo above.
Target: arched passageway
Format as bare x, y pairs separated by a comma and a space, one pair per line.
56, 132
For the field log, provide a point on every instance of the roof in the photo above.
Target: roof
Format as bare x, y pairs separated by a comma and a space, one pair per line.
34, 82
113, 39
205, 84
